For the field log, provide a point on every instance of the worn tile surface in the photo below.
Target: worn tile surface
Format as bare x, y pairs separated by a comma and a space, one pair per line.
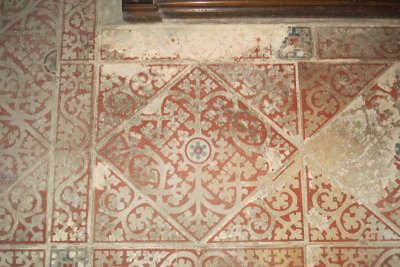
196, 144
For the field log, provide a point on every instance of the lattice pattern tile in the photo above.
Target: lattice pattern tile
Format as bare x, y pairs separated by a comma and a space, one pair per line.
204, 145
227, 257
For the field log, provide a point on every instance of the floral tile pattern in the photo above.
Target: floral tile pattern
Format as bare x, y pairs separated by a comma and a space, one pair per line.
203, 145
78, 34
123, 214
276, 216
214, 149
358, 42
23, 208
19, 258
356, 256
121, 95
227, 257
337, 216
326, 89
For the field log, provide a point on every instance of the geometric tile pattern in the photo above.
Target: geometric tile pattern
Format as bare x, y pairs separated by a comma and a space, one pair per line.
275, 217
123, 215
17, 258
23, 209
271, 89
358, 256
337, 216
326, 89
247, 153
122, 95
198, 122
226, 257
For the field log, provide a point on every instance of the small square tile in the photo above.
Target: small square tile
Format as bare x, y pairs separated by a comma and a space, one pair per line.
298, 44
26, 258
69, 257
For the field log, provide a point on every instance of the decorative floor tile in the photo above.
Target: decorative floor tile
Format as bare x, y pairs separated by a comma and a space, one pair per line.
298, 44
69, 257
382, 102
70, 203
213, 149
22, 258
201, 258
274, 216
358, 42
326, 89
353, 256
334, 215
269, 88
73, 153
11, 10
23, 209
123, 94
75, 108
124, 215
78, 33
42, 19
185, 144
26, 86
365, 138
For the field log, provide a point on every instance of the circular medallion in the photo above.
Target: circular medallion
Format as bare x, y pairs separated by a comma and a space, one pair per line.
50, 62
198, 150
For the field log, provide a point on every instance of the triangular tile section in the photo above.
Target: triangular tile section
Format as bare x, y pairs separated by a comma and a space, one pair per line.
122, 93
275, 217
271, 88
336, 216
122, 215
326, 89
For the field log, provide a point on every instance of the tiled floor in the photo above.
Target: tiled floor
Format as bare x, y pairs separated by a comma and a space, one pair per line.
196, 144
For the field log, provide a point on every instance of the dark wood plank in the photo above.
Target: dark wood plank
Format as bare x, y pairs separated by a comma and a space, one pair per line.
150, 10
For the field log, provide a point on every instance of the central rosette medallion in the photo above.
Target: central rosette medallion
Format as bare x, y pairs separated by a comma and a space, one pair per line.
198, 152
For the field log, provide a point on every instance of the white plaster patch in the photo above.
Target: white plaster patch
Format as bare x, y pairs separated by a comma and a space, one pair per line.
193, 42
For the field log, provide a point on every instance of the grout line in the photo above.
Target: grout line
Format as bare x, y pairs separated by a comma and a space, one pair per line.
51, 183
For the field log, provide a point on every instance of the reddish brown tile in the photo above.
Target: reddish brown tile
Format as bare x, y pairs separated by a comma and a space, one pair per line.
79, 26
22, 258
358, 42
217, 257
23, 209
75, 107
123, 94
353, 256
123, 215
70, 201
336, 216
277, 216
271, 89
326, 89
198, 152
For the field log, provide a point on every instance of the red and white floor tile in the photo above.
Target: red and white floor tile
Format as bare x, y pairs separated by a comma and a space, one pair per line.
179, 146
